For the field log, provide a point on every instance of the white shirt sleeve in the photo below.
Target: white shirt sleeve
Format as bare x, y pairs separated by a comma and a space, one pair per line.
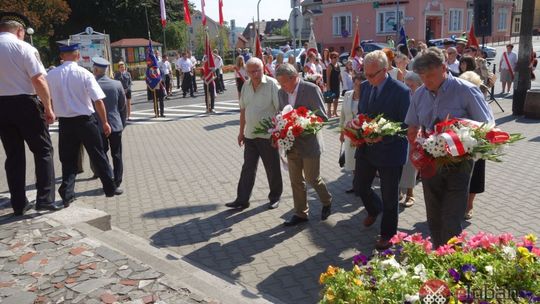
32, 62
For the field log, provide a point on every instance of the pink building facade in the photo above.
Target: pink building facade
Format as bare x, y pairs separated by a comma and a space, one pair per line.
334, 20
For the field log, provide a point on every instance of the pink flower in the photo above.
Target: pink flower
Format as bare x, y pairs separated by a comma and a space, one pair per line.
505, 238
444, 250
536, 251
398, 237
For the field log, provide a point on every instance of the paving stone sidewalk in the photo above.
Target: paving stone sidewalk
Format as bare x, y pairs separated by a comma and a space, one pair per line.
42, 262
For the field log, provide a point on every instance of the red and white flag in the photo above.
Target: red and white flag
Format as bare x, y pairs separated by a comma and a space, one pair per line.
221, 12
203, 13
209, 64
163, 13
356, 42
471, 40
259, 54
187, 17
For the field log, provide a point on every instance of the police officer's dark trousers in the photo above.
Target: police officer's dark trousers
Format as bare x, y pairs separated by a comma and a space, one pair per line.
73, 131
22, 120
114, 142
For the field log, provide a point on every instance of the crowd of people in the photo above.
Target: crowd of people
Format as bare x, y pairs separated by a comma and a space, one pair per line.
415, 85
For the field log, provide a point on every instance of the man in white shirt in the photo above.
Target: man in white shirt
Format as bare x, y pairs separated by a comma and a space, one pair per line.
259, 100
165, 70
507, 68
220, 85
194, 63
76, 97
24, 117
452, 62
186, 67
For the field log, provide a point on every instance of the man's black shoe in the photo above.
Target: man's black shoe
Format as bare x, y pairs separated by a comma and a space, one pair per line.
29, 206
273, 204
326, 211
118, 191
68, 202
295, 220
350, 190
237, 205
51, 206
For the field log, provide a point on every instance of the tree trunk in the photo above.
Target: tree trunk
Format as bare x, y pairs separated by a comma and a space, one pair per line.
524, 58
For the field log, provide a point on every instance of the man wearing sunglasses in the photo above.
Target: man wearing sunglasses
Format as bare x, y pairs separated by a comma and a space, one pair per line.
381, 94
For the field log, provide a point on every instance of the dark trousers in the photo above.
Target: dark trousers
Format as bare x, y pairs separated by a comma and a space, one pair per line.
446, 195
187, 84
194, 81
253, 150
388, 205
167, 84
210, 94
114, 142
22, 120
178, 74
219, 81
72, 132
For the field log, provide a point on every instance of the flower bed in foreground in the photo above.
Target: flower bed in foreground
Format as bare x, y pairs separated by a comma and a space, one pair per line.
484, 268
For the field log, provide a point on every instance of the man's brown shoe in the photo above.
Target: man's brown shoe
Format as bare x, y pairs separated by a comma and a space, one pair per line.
383, 244
369, 220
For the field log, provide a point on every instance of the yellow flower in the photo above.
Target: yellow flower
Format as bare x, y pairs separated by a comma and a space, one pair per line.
331, 271
357, 282
322, 278
453, 240
357, 269
526, 256
330, 296
531, 237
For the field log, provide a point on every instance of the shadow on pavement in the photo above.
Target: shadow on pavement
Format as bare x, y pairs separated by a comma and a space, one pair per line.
234, 122
179, 211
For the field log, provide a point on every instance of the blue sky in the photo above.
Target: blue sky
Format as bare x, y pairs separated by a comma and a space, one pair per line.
244, 10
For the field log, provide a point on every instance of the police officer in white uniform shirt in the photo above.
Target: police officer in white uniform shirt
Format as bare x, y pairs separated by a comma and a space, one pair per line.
24, 117
165, 69
186, 66
75, 92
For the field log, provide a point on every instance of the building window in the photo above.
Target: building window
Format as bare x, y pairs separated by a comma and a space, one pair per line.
470, 14
386, 21
455, 24
517, 25
503, 15
342, 25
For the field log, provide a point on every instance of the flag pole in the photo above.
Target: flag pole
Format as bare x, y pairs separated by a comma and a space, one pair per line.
206, 84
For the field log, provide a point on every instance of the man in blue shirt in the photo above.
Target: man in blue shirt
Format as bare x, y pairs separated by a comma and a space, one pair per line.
440, 97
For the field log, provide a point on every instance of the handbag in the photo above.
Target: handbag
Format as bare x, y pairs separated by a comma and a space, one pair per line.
341, 156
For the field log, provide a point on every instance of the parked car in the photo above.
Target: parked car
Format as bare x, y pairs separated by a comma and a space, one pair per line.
491, 52
367, 46
275, 52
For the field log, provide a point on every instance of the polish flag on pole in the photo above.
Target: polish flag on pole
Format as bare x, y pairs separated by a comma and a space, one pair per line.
187, 17
203, 13
259, 54
356, 41
471, 40
163, 13
221, 12
209, 64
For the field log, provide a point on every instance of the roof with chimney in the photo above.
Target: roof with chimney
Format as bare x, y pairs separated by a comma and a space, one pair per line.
268, 26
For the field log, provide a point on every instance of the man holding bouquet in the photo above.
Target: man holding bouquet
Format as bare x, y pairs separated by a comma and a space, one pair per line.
441, 97
381, 95
304, 156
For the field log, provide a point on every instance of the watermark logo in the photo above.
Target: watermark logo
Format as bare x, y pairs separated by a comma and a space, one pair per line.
434, 291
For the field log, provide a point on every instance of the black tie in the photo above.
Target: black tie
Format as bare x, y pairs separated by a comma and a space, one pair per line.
373, 96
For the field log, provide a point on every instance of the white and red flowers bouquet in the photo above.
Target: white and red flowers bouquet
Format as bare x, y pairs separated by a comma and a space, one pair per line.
363, 129
313, 77
291, 123
455, 140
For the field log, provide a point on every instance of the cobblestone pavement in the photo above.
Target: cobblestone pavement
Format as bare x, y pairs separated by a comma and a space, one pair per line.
42, 261
178, 175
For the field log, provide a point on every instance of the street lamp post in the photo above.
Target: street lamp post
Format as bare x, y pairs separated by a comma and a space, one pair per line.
30, 32
258, 20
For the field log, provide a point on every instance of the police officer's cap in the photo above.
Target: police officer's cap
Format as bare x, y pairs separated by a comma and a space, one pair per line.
12, 16
69, 47
100, 62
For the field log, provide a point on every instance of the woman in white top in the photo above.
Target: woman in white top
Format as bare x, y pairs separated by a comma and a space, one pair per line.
269, 67
347, 77
349, 110
402, 61
408, 175
240, 74
392, 71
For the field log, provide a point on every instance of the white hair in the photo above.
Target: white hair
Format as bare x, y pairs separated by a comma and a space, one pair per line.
254, 61
378, 57
472, 77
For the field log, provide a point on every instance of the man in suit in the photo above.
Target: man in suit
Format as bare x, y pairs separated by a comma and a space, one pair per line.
304, 156
381, 94
115, 106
